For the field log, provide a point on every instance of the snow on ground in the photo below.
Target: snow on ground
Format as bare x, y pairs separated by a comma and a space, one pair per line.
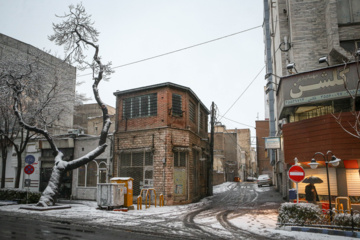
261, 222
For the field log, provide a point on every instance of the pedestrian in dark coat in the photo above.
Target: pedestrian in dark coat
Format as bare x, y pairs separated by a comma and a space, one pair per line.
310, 193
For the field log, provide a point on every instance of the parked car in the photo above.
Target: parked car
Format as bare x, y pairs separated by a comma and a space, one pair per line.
251, 179
264, 179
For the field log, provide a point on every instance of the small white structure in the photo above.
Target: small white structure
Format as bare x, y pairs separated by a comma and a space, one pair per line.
110, 195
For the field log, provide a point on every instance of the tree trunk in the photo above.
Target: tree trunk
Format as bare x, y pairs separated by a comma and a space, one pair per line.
3, 168
18, 170
48, 196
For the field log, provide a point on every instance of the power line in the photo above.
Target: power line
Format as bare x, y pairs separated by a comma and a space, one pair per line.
181, 49
243, 91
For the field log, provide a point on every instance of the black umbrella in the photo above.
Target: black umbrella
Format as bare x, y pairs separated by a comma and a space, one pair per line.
312, 180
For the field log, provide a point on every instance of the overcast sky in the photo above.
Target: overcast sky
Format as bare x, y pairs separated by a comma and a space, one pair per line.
223, 71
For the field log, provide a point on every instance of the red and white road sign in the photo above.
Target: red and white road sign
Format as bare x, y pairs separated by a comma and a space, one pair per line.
29, 169
296, 173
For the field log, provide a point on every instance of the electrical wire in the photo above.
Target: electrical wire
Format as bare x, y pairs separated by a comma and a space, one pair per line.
244, 91
181, 49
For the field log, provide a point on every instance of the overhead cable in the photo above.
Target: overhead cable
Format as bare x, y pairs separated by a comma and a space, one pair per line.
181, 49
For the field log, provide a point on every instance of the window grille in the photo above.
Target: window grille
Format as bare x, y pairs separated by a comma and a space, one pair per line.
179, 159
91, 174
132, 164
192, 111
88, 173
348, 11
202, 120
140, 106
176, 105
81, 176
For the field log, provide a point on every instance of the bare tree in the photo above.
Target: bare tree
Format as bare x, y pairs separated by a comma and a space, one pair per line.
76, 33
353, 127
43, 100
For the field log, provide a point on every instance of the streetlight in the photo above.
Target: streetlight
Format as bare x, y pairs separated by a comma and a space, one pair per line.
334, 162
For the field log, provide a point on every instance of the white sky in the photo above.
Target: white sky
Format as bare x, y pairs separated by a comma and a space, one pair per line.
133, 30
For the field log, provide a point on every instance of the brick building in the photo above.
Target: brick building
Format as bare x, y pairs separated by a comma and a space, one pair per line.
263, 161
161, 141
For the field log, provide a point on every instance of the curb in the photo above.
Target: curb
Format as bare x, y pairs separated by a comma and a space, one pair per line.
323, 231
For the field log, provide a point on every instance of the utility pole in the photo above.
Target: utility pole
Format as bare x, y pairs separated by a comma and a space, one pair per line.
211, 167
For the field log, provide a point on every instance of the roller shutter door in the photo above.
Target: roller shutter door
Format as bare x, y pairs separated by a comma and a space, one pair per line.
353, 182
321, 188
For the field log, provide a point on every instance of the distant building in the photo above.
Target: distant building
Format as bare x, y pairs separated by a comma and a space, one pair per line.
161, 141
232, 154
88, 118
263, 158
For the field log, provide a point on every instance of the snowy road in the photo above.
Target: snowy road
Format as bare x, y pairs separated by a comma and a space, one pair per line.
236, 211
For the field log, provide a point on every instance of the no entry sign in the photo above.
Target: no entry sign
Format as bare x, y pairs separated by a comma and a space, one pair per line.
296, 174
29, 169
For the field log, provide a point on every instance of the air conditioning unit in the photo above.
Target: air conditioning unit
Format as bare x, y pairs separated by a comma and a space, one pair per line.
74, 131
282, 122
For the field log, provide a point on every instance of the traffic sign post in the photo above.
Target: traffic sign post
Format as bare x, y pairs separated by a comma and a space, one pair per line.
29, 169
296, 174
29, 159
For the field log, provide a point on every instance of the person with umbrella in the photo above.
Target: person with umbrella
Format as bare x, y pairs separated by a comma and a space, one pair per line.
310, 191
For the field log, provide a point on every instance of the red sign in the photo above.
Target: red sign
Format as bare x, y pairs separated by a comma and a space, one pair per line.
29, 169
296, 173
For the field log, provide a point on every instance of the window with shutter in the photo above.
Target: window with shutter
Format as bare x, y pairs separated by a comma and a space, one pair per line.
140, 106
176, 105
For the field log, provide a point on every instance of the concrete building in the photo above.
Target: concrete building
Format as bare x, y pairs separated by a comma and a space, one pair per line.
309, 43
232, 154
10, 48
88, 118
86, 177
161, 141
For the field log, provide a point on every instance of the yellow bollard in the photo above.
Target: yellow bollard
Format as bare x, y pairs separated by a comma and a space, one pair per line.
161, 200
139, 202
148, 196
339, 206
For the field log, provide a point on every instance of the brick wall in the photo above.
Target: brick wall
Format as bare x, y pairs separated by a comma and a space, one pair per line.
262, 131
162, 133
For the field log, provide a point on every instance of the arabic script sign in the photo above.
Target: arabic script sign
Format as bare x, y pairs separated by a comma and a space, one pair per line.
320, 85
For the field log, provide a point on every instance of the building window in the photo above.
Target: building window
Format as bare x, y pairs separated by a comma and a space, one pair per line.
81, 176
139, 166
202, 120
192, 112
102, 172
140, 106
92, 173
176, 105
179, 159
348, 11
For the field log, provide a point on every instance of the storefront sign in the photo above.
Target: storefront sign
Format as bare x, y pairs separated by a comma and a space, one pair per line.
272, 143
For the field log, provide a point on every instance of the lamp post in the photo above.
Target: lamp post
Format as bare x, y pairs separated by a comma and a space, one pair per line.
334, 162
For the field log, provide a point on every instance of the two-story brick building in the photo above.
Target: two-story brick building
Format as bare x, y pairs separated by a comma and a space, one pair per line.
161, 141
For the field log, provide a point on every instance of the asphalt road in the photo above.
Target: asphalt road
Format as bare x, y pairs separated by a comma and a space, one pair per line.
19, 228
238, 200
